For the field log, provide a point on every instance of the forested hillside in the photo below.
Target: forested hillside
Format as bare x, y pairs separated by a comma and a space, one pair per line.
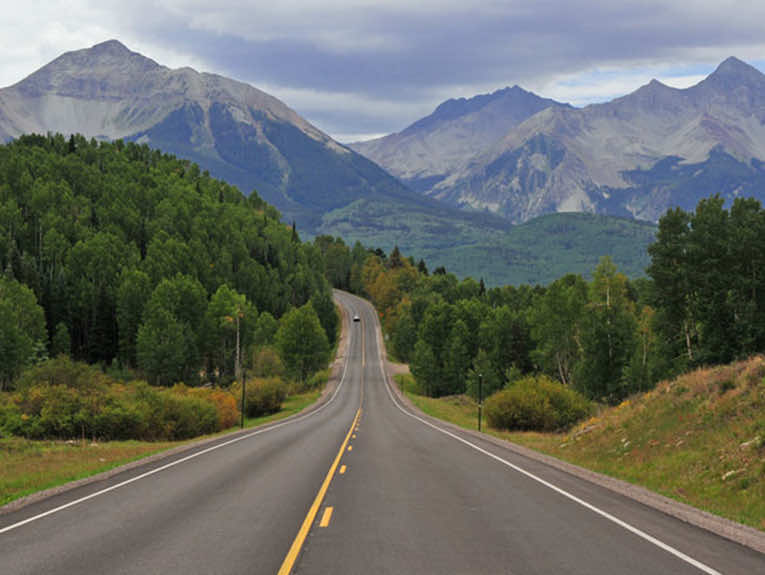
703, 303
120, 255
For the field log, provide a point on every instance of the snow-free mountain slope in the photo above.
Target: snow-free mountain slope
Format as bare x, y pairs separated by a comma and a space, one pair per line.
431, 148
635, 156
612, 157
236, 131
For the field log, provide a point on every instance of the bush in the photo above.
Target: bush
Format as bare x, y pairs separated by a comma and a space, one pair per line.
536, 404
267, 363
62, 399
264, 396
226, 406
318, 379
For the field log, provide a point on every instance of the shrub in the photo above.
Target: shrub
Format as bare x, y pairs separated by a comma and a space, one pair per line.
318, 379
536, 403
267, 363
64, 371
264, 396
64, 399
226, 406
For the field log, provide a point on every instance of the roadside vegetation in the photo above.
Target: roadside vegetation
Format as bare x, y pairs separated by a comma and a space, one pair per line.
33, 465
607, 338
573, 368
135, 292
699, 438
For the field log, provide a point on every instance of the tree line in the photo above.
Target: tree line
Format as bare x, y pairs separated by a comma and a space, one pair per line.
119, 255
702, 303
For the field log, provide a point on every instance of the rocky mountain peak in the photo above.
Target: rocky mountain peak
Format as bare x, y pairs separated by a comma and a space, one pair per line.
108, 70
111, 47
732, 73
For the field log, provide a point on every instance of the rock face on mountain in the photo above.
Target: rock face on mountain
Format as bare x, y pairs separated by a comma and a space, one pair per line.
432, 148
635, 156
236, 131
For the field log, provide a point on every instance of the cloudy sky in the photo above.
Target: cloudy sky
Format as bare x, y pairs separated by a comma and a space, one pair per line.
358, 68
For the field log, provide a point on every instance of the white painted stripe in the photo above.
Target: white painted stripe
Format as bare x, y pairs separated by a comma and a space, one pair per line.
188, 457
677, 553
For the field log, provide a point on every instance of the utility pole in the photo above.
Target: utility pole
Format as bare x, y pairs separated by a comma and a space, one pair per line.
480, 398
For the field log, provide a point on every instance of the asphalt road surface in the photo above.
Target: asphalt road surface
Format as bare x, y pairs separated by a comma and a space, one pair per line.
359, 486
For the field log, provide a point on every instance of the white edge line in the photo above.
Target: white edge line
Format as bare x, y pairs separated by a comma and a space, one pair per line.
677, 553
184, 459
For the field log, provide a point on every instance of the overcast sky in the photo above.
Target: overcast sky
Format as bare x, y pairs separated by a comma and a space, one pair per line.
358, 68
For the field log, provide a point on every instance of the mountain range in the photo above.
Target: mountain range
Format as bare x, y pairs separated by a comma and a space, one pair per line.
635, 156
256, 142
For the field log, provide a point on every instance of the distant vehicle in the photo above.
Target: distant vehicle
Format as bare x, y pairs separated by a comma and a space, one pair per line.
356, 318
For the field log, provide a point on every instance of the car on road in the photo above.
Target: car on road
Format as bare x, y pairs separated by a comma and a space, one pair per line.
356, 318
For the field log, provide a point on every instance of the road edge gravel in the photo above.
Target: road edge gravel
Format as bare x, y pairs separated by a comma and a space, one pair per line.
736, 532
336, 371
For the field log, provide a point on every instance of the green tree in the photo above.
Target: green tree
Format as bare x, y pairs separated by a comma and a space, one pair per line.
670, 272
163, 348
60, 343
229, 321
168, 338
266, 327
556, 320
608, 336
132, 295
484, 373
22, 330
302, 343
458, 360
424, 368
404, 336
710, 274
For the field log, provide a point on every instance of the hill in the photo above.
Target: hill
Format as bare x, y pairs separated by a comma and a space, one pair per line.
536, 252
699, 438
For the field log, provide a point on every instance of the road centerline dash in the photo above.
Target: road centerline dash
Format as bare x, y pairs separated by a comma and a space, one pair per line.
297, 544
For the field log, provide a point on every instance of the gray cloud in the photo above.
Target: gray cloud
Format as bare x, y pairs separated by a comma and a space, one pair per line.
368, 67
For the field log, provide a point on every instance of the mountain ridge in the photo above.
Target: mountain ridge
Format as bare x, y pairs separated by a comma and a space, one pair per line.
458, 128
252, 140
586, 159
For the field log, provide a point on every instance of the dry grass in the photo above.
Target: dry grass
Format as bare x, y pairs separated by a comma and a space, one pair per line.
699, 439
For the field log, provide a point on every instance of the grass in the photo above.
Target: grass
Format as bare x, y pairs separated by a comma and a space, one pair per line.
699, 439
29, 466
33, 465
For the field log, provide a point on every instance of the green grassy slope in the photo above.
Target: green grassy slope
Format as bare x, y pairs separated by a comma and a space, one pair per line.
699, 439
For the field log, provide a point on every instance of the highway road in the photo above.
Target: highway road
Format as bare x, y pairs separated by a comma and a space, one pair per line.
359, 485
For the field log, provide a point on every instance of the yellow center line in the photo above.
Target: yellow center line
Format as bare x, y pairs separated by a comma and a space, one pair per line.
342, 469
353, 436
326, 517
297, 544
350, 448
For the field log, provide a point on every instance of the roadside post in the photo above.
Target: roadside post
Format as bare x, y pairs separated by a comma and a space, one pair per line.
244, 398
480, 398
